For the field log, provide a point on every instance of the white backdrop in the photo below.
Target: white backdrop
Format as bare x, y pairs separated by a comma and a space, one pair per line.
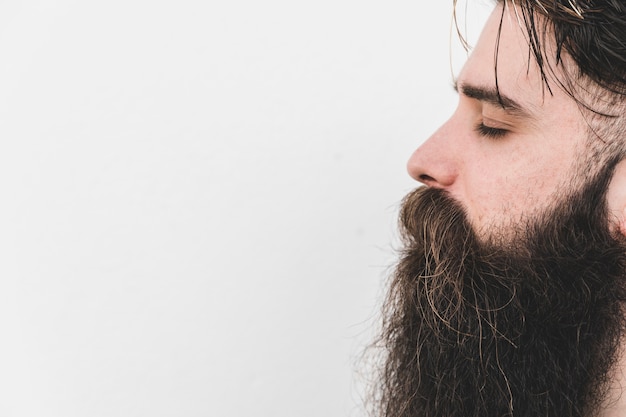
199, 198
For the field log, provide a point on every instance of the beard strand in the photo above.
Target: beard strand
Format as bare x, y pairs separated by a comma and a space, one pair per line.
527, 328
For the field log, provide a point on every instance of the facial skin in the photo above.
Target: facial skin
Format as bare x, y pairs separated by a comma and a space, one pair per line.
505, 165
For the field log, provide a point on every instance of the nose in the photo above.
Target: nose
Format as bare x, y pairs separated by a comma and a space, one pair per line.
434, 163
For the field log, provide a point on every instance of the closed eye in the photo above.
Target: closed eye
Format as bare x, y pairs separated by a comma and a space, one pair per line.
490, 132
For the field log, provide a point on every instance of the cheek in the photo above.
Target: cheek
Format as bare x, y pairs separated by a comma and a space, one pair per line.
505, 181
509, 192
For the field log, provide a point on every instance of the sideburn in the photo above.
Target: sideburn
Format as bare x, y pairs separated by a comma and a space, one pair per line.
527, 329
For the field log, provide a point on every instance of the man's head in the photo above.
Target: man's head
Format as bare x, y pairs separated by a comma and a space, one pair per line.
508, 299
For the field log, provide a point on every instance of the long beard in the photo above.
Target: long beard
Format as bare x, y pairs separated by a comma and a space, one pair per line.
530, 328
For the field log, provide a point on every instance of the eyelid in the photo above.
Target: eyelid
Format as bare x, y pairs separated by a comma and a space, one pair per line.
496, 123
490, 132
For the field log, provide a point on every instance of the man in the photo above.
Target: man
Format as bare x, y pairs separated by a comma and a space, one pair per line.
510, 295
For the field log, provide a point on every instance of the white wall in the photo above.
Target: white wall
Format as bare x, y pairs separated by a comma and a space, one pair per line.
198, 198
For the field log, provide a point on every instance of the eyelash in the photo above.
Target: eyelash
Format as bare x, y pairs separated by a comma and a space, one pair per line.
490, 132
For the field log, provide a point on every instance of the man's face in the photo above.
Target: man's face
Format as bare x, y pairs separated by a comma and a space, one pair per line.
505, 165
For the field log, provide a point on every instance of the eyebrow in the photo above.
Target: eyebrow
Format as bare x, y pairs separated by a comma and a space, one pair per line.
493, 97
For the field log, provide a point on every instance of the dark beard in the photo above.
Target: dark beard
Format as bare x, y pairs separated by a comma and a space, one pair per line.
526, 329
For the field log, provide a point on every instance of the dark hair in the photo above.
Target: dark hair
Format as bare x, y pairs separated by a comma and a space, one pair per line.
591, 32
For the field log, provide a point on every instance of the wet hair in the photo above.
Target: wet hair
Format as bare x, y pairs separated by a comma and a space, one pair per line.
591, 32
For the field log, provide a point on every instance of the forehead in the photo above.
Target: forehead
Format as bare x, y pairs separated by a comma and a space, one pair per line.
502, 60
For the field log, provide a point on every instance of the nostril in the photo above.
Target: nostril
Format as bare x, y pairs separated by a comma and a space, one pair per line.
426, 178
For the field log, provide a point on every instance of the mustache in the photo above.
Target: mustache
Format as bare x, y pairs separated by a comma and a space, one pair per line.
432, 222
429, 213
